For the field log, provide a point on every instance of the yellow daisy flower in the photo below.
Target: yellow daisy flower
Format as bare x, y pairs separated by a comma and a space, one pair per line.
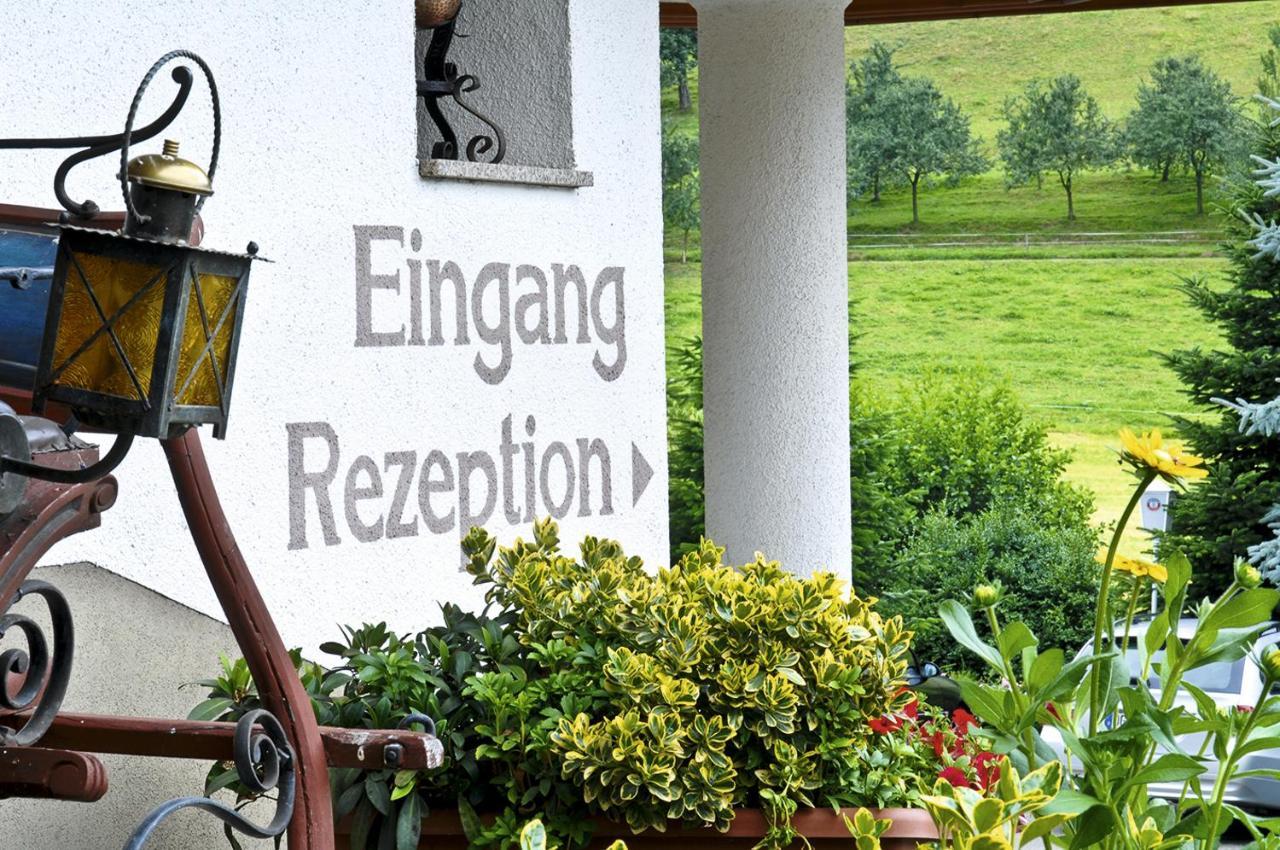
1137, 567
1150, 452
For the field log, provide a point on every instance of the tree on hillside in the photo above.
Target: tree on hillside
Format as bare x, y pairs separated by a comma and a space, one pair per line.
903, 128
869, 136
1269, 81
680, 187
1186, 116
1055, 128
678, 51
1220, 518
931, 137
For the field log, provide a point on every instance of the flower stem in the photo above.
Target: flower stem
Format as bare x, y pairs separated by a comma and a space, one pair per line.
1102, 617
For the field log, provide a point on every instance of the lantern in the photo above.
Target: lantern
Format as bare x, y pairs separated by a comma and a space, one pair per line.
142, 327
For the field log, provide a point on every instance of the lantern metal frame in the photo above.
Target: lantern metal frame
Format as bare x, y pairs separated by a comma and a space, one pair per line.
441, 79
154, 411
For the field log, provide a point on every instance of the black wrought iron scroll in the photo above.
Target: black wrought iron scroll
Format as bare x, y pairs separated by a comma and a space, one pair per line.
264, 763
96, 146
44, 675
440, 80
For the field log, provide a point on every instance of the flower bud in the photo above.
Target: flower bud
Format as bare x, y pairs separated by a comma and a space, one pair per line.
1247, 575
987, 595
1271, 662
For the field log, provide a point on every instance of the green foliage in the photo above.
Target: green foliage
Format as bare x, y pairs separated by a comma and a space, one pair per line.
873, 79
968, 444
1186, 116
1016, 815
686, 511
1151, 707
713, 687
680, 184
1268, 84
591, 687
1217, 520
1049, 575
678, 54
904, 127
1055, 128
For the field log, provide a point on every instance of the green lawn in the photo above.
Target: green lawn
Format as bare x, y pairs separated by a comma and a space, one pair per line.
1077, 338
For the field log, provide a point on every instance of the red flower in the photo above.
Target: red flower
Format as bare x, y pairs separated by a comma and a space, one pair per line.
1244, 709
936, 740
1053, 710
955, 776
963, 721
912, 710
885, 725
986, 766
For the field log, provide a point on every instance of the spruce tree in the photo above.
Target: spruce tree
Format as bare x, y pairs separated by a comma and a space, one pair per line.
1222, 518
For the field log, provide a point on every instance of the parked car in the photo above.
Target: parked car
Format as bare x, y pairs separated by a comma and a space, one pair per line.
1231, 685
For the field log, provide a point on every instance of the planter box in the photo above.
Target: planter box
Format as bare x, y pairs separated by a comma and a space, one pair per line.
823, 827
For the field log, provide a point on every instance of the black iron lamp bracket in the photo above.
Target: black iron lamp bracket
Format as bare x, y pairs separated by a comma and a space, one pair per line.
441, 80
96, 146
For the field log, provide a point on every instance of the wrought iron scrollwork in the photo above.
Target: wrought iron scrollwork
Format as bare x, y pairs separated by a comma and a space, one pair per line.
441, 79
44, 674
264, 762
96, 146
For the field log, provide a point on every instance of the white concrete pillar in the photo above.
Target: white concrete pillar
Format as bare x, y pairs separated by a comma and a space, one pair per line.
775, 280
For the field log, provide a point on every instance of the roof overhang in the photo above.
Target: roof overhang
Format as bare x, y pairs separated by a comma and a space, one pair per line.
862, 12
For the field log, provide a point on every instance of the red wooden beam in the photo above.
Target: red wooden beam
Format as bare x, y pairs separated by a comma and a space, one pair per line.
864, 12
211, 741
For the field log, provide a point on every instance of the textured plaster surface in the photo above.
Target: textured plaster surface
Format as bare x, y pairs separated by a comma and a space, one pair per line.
134, 648
774, 280
520, 53
319, 138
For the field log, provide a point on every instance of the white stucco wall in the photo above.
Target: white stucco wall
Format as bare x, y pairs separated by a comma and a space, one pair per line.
319, 139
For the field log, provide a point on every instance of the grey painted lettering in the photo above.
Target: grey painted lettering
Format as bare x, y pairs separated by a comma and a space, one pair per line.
542, 331
469, 463
561, 278
499, 334
530, 483
415, 302
427, 484
588, 449
367, 281
437, 274
355, 494
508, 450
558, 510
615, 334
300, 481
408, 463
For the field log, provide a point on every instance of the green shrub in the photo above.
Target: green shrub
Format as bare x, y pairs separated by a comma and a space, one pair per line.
590, 686
1049, 574
954, 443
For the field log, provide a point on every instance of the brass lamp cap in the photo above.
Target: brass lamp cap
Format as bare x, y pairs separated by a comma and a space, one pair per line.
167, 170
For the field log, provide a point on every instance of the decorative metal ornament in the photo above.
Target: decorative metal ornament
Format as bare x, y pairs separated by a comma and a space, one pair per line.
429, 14
441, 79
142, 328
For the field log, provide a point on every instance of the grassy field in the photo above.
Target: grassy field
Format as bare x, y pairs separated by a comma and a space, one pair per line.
1077, 338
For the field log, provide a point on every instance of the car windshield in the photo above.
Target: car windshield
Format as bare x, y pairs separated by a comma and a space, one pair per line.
1221, 677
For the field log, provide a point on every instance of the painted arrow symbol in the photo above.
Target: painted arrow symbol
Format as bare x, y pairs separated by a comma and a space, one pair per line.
641, 474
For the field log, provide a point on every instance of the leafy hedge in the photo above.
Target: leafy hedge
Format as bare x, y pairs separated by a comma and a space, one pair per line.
592, 687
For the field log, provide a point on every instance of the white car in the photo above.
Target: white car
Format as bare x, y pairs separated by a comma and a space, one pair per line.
1231, 684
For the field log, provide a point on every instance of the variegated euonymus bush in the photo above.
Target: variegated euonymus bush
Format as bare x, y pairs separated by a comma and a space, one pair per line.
590, 686
715, 687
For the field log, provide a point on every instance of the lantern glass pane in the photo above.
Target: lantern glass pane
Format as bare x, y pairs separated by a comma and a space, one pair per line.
215, 293
113, 283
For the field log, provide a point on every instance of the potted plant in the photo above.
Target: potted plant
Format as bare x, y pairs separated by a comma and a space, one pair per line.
700, 702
